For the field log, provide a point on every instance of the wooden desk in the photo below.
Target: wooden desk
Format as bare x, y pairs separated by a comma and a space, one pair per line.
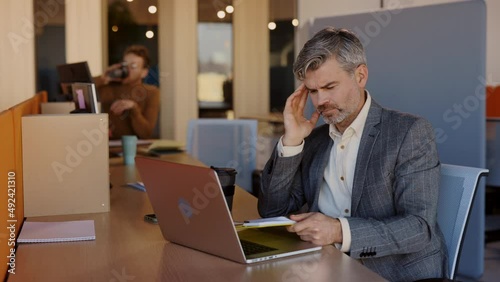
129, 249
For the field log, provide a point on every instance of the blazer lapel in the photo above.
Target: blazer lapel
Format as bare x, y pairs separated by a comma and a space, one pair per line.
368, 139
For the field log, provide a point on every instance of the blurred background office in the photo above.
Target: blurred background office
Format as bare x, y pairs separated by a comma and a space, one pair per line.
209, 57
136, 22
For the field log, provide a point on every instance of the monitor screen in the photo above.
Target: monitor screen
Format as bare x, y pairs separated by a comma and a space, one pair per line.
71, 73
85, 98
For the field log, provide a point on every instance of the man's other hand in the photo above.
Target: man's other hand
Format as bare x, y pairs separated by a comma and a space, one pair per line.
317, 228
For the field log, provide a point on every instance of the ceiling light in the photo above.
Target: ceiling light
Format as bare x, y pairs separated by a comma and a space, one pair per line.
152, 9
229, 9
295, 22
150, 34
221, 14
114, 28
271, 25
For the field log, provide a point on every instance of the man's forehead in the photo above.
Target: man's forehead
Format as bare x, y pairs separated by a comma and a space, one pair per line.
316, 81
327, 74
309, 84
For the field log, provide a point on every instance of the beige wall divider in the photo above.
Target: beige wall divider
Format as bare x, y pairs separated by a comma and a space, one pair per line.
65, 164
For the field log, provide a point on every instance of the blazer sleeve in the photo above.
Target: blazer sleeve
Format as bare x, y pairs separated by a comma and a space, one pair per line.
281, 192
414, 178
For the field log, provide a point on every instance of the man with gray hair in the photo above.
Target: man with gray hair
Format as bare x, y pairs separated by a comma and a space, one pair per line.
368, 178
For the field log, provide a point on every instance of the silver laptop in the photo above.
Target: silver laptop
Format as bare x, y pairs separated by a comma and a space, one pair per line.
191, 211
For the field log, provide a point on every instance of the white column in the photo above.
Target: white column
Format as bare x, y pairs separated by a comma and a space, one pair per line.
85, 33
178, 66
17, 55
251, 57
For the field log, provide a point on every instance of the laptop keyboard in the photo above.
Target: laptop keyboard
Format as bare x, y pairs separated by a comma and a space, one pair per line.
251, 248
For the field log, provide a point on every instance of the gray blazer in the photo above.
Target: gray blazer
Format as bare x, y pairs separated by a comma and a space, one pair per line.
394, 197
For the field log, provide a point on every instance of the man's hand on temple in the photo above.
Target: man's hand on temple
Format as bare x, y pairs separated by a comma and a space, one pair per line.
297, 127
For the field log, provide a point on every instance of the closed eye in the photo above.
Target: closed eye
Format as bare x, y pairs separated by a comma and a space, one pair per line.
330, 85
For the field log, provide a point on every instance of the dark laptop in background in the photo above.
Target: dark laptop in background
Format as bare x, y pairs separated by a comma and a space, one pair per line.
77, 85
71, 73
191, 211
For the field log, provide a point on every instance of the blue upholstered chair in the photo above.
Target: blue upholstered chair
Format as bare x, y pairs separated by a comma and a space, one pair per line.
225, 143
493, 150
456, 193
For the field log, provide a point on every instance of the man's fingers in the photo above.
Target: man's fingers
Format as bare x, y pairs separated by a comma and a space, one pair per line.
300, 88
291, 100
303, 98
300, 97
316, 228
314, 118
301, 216
301, 224
288, 104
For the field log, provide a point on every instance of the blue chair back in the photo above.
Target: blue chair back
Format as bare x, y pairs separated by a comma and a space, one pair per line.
456, 194
225, 143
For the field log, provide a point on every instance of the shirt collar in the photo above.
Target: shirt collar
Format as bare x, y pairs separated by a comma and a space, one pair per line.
356, 127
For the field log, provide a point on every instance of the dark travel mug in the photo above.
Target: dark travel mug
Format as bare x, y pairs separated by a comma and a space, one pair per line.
227, 178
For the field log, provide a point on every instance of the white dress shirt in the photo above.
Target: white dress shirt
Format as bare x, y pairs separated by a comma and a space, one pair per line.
339, 172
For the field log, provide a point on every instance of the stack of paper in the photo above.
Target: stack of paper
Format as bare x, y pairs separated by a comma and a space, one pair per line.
268, 222
65, 231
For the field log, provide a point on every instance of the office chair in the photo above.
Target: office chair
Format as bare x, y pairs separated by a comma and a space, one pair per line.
493, 135
225, 143
456, 194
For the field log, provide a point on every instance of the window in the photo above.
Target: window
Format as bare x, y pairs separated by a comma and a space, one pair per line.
215, 58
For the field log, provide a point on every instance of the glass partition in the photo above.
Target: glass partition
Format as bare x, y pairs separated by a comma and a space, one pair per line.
134, 22
50, 45
282, 24
215, 58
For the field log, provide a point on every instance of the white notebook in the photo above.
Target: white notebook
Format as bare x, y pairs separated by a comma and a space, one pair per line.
64, 231
268, 222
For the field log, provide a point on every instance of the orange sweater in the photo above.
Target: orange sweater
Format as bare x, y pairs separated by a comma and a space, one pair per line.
140, 120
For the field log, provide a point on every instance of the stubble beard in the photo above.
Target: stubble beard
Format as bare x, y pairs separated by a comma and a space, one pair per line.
343, 113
